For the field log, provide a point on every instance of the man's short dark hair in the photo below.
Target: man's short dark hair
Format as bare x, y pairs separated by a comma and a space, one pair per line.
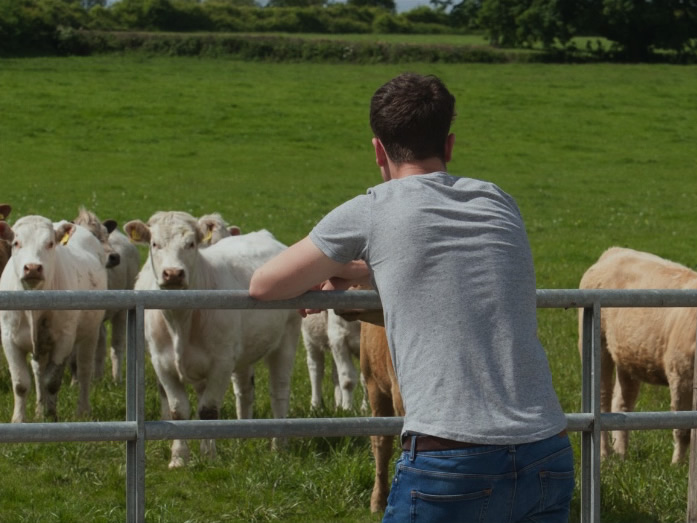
411, 115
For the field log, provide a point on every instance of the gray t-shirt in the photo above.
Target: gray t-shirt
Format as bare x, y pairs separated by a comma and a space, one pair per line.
451, 261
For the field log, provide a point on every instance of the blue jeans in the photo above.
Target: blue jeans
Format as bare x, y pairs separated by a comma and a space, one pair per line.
532, 482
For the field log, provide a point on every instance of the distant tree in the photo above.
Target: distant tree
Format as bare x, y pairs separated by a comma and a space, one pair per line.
461, 14
466, 13
296, 3
543, 21
500, 20
384, 4
235, 3
641, 26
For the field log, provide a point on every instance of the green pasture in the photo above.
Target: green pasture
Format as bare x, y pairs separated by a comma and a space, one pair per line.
596, 155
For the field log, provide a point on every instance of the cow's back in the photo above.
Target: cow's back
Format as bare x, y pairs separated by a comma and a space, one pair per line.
239, 256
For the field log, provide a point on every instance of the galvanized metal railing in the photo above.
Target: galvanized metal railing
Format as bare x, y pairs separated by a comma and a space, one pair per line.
135, 430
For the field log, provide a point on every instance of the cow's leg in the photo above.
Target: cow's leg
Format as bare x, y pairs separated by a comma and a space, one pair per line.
337, 385
364, 403
84, 353
178, 409
347, 374
48, 377
381, 406
607, 371
315, 368
623, 400
680, 399
280, 363
118, 344
21, 379
210, 398
243, 385
100, 353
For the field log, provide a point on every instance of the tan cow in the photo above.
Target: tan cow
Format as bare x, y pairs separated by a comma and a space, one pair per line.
650, 345
385, 400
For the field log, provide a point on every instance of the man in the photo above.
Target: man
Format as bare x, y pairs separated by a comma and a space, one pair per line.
484, 435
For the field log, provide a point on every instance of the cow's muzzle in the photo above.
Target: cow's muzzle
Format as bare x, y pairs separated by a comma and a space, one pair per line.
173, 279
32, 275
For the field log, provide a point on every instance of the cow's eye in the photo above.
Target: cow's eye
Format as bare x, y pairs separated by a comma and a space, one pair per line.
190, 245
154, 245
16, 244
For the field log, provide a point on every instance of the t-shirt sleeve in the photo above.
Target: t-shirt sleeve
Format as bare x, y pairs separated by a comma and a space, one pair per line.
343, 233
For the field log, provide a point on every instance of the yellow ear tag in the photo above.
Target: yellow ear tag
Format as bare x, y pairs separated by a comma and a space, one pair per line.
209, 236
65, 238
135, 235
2, 216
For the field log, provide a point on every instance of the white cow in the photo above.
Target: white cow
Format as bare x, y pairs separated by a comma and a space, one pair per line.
123, 264
121, 277
206, 348
650, 345
47, 256
327, 331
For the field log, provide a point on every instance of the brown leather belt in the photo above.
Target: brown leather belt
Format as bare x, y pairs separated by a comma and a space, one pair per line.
426, 443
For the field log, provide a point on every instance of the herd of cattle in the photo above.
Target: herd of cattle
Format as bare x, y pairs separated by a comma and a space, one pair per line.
207, 349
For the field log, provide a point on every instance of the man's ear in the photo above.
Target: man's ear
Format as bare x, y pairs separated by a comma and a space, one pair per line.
380, 154
449, 144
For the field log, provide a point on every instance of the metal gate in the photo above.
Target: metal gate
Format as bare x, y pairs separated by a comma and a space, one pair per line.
135, 430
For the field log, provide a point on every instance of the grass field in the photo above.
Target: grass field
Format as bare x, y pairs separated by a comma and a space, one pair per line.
595, 155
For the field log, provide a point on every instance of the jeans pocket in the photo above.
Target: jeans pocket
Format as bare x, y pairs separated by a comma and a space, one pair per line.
557, 489
451, 508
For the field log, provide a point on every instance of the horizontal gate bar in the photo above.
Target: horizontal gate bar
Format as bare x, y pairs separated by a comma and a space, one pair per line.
295, 427
187, 299
74, 431
239, 299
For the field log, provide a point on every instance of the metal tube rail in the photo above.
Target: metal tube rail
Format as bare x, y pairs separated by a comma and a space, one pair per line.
135, 430
296, 427
239, 299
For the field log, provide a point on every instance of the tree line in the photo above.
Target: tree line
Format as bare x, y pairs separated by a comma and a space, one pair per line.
636, 29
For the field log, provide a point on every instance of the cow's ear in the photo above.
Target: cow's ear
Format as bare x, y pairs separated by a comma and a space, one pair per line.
137, 231
234, 230
5, 210
110, 225
204, 234
64, 231
6, 232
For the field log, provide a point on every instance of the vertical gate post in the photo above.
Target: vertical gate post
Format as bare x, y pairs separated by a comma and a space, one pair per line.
135, 411
590, 440
692, 478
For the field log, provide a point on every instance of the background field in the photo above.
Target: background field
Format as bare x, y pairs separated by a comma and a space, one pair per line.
595, 155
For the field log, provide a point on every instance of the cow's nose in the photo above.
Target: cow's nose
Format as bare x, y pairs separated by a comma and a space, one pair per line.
113, 260
173, 276
33, 271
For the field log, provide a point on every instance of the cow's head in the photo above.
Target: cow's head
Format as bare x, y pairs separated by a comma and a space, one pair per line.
174, 238
35, 241
101, 231
215, 229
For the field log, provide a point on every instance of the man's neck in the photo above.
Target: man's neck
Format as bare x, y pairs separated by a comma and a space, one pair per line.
427, 166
